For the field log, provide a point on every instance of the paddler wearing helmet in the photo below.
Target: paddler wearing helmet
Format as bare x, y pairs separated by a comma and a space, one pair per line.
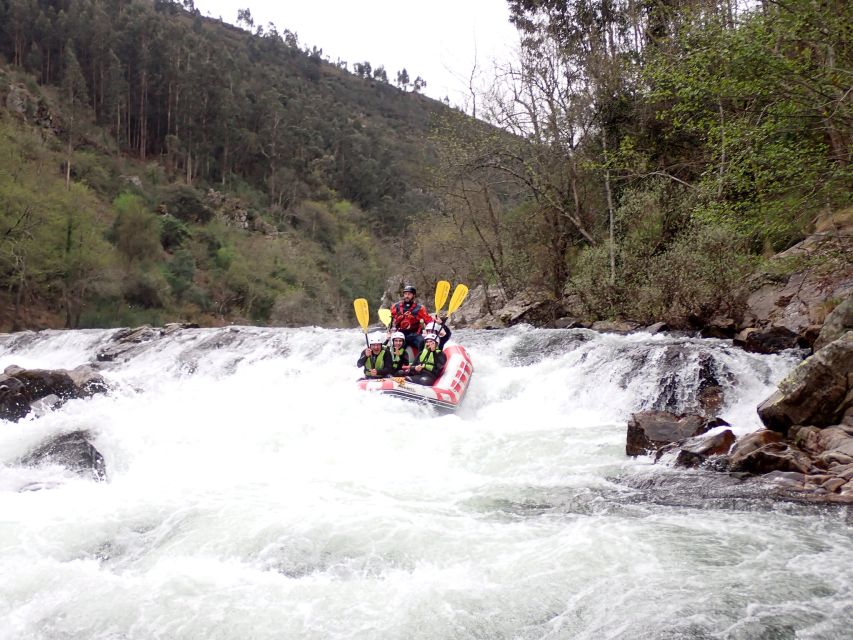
375, 359
409, 316
398, 355
430, 362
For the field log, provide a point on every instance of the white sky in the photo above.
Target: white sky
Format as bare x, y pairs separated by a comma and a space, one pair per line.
439, 40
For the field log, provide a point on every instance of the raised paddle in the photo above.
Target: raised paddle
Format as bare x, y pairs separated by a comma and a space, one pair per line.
458, 296
442, 288
385, 317
363, 314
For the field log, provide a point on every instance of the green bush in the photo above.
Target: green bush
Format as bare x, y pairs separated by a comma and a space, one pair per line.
185, 203
692, 279
173, 232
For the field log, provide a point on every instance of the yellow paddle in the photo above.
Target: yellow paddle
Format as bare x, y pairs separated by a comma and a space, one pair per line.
458, 296
442, 288
385, 317
363, 314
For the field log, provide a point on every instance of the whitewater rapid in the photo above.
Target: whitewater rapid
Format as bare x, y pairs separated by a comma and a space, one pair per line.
253, 492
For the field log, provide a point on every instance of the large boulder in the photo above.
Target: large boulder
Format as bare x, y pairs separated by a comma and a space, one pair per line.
648, 431
21, 388
816, 392
72, 451
770, 340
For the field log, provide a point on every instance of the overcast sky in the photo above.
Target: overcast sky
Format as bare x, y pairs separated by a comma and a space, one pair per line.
438, 40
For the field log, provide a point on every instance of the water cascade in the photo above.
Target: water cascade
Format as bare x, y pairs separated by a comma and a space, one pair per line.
252, 492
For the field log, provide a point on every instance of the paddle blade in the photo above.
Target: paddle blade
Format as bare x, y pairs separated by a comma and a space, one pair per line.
385, 317
442, 288
362, 313
458, 296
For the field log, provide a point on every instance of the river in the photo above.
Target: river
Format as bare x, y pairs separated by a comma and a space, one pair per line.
254, 493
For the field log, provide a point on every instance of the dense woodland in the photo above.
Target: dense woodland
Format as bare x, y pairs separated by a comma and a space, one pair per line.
639, 158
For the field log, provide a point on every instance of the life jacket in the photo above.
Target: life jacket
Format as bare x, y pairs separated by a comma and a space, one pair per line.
407, 319
427, 359
397, 357
375, 363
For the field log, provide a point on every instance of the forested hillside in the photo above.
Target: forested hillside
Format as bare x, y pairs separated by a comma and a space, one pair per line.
158, 165
637, 160
663, 149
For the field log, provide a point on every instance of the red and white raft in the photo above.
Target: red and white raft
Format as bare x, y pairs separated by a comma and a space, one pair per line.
447, 391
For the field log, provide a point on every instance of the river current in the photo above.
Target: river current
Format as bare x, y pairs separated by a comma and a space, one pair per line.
254, 493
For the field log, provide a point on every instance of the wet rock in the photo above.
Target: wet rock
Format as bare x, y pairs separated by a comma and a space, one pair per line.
72, 451
837, 323
789, 479
15, 399
569, 323
764, 451
648, 431
127, 342
615, 326
754, 441
88, 381
816, 392
771, 340
719, 327
833, 485
21, 389
695, 452
657, 327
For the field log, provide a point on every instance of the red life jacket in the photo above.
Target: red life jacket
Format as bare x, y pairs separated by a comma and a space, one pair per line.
407, 319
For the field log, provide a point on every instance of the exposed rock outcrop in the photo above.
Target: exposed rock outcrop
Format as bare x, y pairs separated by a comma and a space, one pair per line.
126, 342
816, 392
797, 288
21, 389
807, 450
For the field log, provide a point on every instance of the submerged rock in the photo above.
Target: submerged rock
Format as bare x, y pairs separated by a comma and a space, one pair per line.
72, 451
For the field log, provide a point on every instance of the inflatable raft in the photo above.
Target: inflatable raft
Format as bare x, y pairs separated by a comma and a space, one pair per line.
445, 394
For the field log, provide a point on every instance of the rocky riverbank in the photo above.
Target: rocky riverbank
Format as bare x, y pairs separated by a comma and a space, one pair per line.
781, 306
804, 452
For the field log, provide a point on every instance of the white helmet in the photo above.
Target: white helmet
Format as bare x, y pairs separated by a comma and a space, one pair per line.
431, 336
433, 327
398, 335
377, 338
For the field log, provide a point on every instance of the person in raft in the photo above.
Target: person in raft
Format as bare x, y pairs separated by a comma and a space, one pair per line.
429, 364
399, 357
375, 359
439, 327
408, 317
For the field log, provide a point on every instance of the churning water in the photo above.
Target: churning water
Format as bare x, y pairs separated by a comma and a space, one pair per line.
254, 493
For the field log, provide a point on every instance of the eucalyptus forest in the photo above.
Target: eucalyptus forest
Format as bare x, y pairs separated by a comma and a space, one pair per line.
639, 157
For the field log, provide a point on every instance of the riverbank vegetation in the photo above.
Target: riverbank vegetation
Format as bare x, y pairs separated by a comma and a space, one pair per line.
636, 160
661, 150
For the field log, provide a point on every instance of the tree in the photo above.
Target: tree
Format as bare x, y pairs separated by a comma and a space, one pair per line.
419, 84
380, 74
76, 96
403, 79
244, 16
